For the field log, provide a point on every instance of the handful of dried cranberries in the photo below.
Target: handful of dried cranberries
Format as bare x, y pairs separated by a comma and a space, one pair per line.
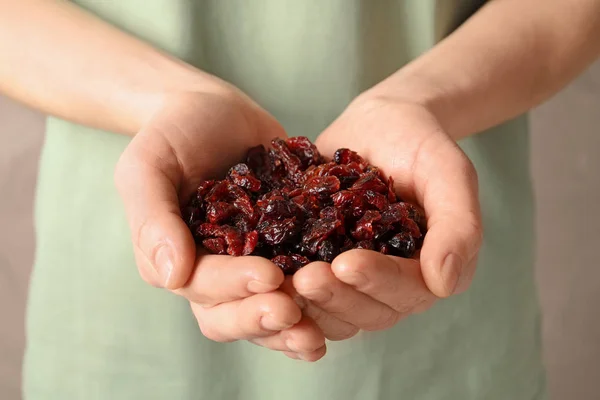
290, 205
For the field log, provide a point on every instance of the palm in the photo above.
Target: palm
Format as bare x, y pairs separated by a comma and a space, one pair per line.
191, 138
207, 134
368, 290
397, 142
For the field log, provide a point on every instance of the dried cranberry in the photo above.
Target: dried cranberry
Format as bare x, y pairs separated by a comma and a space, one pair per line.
346, 156
242, 176
365, 244
276, 232
322, 186
328, 251
250, 242
215, 245
290, 205
304, 150
290, 264
219, 211
402, 244
370, 181
365, 229
320, 230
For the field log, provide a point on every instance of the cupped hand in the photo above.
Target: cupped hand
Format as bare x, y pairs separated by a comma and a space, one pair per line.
363, 289
193, 137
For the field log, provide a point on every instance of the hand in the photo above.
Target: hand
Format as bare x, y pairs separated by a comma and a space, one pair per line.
364, 289
194, 137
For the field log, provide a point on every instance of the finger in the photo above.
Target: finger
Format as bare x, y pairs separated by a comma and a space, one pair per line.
304, 337
446, 184
146, 178
310, 357
218, 279
467, 277
255, 316
333, 328
146, 270
317, 283
394, 281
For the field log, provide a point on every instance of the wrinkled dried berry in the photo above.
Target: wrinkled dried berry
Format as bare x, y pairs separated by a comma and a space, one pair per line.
347, 156
242, 176
328, 251
402, 244
290, 264
290, 205
276, 232
219, 211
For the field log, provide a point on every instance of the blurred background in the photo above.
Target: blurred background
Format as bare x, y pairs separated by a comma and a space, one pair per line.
566, 171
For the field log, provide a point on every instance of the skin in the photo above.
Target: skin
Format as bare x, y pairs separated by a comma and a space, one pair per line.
510, 56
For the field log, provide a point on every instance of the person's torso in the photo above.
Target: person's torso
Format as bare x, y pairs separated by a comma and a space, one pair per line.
304, 61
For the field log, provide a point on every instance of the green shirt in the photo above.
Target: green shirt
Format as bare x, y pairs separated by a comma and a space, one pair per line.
96, 331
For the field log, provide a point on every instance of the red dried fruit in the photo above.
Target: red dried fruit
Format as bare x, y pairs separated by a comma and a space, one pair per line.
234, 242
290, 264
191, 214
289, 205
219, 211
391, 194
402, 244
204, 187
291, 161
215, 245
328, 251
250, 242
347, 156
375, 199
370, 181
350, 203
258, 161
318, 231
275, 232
304, 150
365, 244
242, 176
322, 186
365, 227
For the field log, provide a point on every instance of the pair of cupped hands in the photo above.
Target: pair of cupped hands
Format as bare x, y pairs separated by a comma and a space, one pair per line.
195, 136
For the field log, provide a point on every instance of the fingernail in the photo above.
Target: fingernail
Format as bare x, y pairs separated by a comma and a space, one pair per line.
269, 323
260, 287
164, 264
451, 270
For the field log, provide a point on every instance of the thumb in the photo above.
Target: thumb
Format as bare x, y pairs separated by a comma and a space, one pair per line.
448, 183
146, 178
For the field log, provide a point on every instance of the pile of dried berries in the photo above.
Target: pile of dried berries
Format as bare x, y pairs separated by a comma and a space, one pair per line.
290, 205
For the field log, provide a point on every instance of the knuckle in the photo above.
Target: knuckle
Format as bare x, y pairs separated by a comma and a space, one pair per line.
123, 171
469, 169
119, 175
148, 277
344, 333
474, 230
385, 320
410, 304
307, 284
141, 235
211, 333
354, 262
191, 294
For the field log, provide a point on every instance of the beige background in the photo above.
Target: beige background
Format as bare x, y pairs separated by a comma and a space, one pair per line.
565, 164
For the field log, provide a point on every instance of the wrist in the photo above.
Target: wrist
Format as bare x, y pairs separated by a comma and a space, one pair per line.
173, 79
437, 98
